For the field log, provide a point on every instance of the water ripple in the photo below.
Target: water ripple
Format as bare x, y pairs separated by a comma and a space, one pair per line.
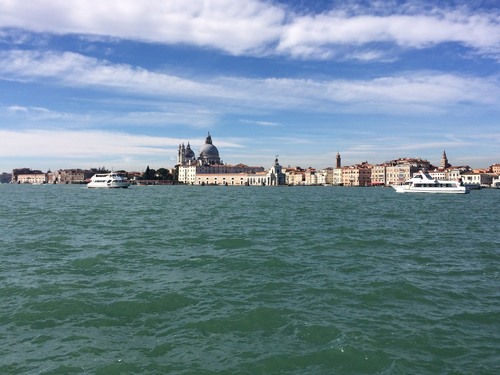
220, 280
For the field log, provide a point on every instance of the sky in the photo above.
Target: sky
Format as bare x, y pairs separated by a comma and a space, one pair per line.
121, 83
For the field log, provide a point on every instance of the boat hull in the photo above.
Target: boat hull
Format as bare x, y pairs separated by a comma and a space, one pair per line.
110, 186
430, 190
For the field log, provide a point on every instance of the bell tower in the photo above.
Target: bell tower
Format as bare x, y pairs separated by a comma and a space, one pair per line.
444, 161
180, 154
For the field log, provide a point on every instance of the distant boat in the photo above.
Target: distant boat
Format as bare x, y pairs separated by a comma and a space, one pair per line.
108, 180
424, 183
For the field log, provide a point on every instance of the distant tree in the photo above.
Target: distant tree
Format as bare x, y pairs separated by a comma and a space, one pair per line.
5, 178
100, 170
149, 174
163, 174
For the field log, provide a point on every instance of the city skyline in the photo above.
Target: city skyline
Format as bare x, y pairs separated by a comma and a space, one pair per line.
433, 164
121, 84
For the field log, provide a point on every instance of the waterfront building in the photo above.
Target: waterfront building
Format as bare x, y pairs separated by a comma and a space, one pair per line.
25, 172
378, 176
400, 170
399, 173
273, 177
327, 176
495, 168
455, 173
438, 174
311, 177
221, 179
69, 176
477, 180
337, 177
195, 174
357, 175
32, 178
495, 183
450, 173
294, 176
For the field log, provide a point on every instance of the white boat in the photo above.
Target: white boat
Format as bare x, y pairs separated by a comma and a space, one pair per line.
424, 183
108, 180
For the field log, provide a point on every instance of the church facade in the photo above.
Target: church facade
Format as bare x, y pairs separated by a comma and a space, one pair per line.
208, 169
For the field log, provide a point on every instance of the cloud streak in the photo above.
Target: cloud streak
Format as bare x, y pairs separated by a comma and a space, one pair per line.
416, 92
75, 144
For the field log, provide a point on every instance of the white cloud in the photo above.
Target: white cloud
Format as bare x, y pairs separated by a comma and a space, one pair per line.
236, 27
260, 122
422, 89
18, 112
259, 27
16, 109
316, 35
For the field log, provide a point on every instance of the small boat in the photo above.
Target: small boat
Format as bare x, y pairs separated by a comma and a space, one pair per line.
108, 180
424, 183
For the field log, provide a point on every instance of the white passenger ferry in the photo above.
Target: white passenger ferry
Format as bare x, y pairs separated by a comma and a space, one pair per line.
424, 183
108, 180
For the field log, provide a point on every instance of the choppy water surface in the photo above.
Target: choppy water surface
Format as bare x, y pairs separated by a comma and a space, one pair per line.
246, 280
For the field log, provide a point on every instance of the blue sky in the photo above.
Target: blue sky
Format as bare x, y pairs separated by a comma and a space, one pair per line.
120, 83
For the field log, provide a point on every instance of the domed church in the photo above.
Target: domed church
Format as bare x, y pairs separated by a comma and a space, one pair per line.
209, 155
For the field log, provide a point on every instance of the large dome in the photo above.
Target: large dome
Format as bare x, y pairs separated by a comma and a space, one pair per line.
209, 153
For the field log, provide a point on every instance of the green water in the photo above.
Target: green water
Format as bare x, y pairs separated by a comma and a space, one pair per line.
248, 280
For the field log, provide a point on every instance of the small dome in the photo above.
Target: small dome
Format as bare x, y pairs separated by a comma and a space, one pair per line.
189, 153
